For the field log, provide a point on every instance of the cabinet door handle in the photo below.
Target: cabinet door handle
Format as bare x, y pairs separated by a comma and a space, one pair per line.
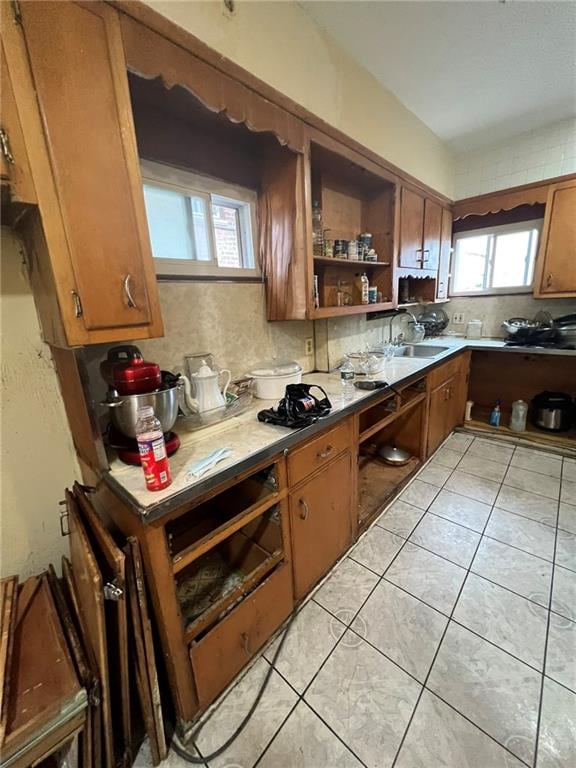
129, 298
77, 304
325, 453
245, 640
549, 278
5, 147
426, 250
304, 511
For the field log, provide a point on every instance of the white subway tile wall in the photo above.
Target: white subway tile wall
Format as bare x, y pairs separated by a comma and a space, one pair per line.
530, 156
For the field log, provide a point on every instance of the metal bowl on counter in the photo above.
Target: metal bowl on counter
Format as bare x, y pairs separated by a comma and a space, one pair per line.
124, 408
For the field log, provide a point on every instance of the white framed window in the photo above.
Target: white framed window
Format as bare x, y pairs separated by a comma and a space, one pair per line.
497, 259
199, 226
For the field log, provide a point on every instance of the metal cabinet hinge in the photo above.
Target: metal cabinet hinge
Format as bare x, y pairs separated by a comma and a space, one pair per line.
94, 694
16, 11
78, 311
112, 591
5, 146
64, 519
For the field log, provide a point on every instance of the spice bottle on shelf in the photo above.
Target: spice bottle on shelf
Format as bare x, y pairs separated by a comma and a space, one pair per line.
152, 449
317, 230
363, 288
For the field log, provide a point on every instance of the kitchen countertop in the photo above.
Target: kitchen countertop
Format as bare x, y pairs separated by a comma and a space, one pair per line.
252, 442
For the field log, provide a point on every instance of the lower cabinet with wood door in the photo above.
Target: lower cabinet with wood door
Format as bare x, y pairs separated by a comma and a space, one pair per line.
447, 398
320, 522
220, 578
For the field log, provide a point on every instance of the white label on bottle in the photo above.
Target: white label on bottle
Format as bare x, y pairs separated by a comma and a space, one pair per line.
159, 449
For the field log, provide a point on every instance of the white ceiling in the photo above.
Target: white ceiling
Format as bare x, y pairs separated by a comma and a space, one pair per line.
475, 72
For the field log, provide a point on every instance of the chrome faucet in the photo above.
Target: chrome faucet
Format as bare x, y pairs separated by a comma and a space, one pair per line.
399, 339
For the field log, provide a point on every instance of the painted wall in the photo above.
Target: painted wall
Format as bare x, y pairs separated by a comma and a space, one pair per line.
279, 43
531, 156
36, 452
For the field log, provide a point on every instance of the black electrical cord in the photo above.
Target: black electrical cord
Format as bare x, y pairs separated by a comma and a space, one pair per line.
181, 750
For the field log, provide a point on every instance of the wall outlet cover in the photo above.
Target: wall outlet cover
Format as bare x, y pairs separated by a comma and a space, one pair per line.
309, 346
458, 318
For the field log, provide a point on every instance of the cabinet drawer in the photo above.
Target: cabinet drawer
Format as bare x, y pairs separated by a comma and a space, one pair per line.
303, 461
226, 648
444, 372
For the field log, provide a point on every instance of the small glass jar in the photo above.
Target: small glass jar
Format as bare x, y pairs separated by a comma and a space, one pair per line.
353, 250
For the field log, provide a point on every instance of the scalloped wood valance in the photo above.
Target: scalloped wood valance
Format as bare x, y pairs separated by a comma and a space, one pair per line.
150, 55
505, 199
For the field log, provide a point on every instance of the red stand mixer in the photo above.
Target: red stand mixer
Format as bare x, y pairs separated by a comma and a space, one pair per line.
133, 383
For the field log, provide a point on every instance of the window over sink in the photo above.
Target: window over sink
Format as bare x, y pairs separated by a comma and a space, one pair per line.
498, 259
199, 226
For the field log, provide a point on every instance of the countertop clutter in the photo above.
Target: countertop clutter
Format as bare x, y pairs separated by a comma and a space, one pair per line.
250, 441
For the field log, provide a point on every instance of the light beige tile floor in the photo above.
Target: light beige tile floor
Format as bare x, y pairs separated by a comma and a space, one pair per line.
445, 639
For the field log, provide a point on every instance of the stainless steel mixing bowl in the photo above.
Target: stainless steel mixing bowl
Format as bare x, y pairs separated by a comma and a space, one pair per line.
124, 409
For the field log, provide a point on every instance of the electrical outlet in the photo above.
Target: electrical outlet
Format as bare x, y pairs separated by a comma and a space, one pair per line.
309, 347
458, 318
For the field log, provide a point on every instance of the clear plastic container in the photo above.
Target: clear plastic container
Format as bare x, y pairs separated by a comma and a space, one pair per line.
474, 329
519, 416
152, 449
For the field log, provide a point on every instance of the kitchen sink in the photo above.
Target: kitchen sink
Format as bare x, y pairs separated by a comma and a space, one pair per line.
422, 350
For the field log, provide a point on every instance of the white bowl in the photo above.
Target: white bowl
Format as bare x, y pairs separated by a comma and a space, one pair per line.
274, 387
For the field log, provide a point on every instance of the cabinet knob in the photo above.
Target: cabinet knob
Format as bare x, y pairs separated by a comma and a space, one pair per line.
325, 453
304, 510
127, 292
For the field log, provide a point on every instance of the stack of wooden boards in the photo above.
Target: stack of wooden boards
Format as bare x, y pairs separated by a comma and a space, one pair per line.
77, 660
43, 704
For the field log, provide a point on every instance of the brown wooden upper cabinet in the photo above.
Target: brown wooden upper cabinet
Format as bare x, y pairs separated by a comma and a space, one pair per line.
90, 260
556, 264
420, 231
445, 254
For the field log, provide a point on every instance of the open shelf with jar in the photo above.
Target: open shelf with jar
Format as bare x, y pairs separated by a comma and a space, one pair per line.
353, 215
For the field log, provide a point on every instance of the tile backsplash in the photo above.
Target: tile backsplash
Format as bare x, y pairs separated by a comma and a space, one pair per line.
493, 310
531, 156
228, 320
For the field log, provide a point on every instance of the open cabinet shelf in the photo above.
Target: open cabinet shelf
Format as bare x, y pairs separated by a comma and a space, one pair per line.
379, 425
353, 200
481, 418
